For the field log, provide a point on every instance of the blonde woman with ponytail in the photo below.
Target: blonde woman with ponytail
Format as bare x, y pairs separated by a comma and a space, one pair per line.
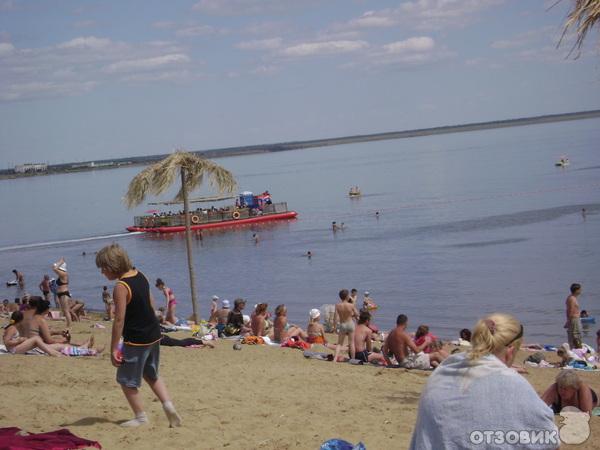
474, 392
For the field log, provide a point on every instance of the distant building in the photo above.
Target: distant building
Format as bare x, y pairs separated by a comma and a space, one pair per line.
31, 168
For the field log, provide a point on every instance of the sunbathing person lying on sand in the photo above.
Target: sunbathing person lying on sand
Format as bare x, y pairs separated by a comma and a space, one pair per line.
569, 390
168, 341
282, 330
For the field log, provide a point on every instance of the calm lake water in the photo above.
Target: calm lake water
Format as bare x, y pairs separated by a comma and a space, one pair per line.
469, 223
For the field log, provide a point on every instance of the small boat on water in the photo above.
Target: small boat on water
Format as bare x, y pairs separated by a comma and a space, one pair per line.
354, 192
248, 208
562, 162
588, 319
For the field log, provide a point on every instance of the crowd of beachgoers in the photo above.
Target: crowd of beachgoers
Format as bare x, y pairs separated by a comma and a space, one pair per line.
485, 355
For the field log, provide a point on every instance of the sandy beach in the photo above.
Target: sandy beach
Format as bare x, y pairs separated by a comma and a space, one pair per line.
257, 398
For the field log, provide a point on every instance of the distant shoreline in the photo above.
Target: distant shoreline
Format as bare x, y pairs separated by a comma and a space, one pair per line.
295, 145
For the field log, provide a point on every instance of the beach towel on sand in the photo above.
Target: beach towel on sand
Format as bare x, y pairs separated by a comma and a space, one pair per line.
61, 439
340, 444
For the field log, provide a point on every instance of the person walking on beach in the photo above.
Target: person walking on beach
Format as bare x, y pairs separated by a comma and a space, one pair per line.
135, 322
573, 324
345, 313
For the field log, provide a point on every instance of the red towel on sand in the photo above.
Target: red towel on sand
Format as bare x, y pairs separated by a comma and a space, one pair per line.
61, 439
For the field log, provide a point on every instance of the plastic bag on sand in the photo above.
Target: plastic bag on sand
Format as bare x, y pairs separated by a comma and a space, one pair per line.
340, 444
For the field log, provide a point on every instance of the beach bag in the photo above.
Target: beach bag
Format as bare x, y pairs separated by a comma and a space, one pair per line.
536, 357
340, 444
231, 330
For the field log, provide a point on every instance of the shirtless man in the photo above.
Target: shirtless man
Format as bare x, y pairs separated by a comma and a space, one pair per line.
345, 312
45, 287
353, 296
399, 343
20, 278
362, 341
573, 323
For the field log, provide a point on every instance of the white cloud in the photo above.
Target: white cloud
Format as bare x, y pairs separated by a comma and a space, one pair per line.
84, 24
324, 48
195, 30
421, 15
265, 70
147, 63
181, 75
80, 64
43, 89
6, 48
370, 19
528, 38
89, 42
249, 7
414, 44
164, 24
260, 44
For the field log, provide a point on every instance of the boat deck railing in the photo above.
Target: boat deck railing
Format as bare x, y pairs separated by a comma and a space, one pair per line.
203, 216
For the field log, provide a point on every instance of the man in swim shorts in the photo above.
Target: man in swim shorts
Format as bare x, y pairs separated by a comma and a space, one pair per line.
407, 354
362, 340
573, 323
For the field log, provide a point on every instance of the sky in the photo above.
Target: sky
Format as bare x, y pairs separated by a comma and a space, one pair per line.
85, 80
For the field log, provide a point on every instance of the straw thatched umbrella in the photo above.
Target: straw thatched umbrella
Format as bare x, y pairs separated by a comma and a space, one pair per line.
192, 169
584, 15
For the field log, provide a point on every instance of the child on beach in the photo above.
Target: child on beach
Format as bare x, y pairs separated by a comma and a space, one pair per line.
108, 303
345, 313
137, 324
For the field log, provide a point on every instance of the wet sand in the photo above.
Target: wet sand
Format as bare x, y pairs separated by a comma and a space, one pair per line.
257, 398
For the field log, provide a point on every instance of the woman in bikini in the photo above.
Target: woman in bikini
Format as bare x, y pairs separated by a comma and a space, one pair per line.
282, 330
170, 301
569, 390
315, 331
258, 320
62, 290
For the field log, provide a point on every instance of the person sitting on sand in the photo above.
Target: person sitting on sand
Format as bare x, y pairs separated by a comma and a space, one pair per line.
362, 341
421, 334
136, 323
258, 320
235, 320
472, 393
569, 390
345, 313
282, 330
4, 308
407, 354
77, 309
170, 302
219, 320
34, 323
315, 331
17, 344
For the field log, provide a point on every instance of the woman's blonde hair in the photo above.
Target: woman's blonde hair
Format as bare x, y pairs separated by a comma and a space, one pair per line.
494, 333
114, 258
568, 379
